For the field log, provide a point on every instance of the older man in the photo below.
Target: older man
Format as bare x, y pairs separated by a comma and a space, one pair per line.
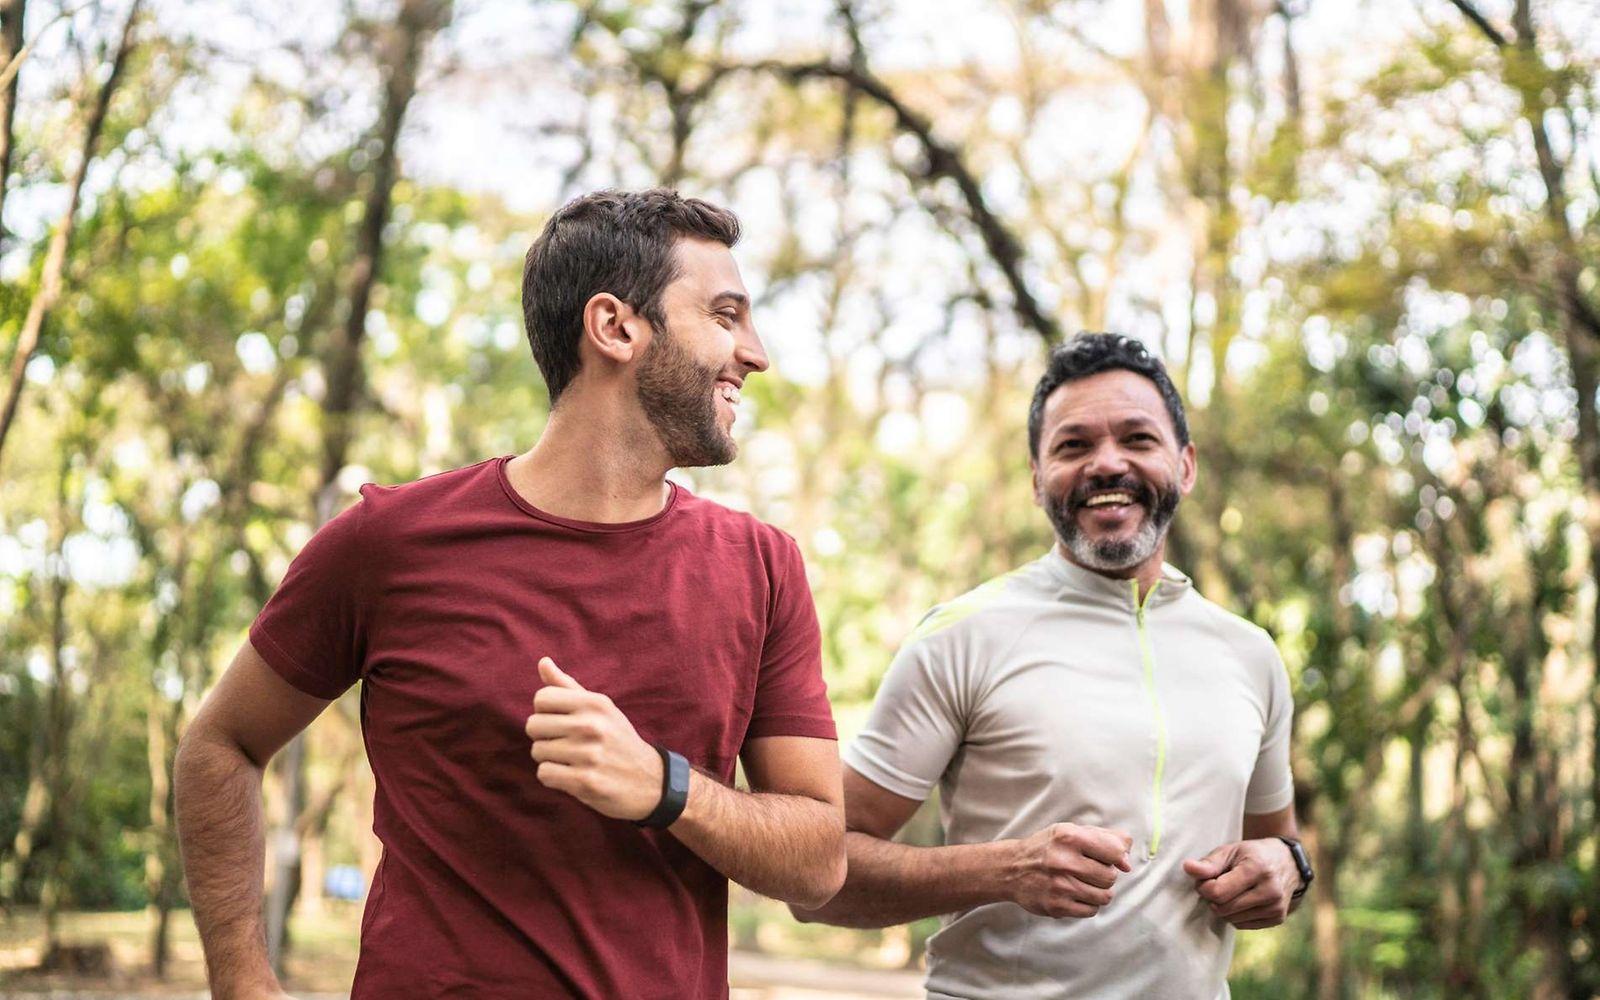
1111, 749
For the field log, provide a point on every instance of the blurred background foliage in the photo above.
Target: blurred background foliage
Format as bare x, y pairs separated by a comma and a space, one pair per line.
254, 257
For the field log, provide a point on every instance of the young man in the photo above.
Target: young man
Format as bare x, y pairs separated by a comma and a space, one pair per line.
1112, 750
546, 643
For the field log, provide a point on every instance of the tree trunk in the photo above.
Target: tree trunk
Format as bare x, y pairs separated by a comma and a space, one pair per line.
1325, 911
11, 16
56, 256
1581, 333
416, 22
58, 722
158, 861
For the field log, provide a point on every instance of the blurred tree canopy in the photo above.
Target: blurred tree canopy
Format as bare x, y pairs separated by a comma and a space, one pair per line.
251, 259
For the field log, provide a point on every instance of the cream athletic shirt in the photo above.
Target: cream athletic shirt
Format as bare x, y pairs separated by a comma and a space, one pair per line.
1050, 695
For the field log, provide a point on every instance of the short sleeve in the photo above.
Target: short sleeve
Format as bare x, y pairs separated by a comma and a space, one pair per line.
1271, 784
916, 722
313, 630
791, 697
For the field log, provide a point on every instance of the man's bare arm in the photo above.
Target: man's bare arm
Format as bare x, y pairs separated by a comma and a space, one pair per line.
1064, 870
784, 839
245, 720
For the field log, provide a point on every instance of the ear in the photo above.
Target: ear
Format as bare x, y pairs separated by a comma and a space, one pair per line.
1033, 472
613, 329
1188, 468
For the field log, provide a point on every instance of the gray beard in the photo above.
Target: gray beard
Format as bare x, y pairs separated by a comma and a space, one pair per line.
1113, 555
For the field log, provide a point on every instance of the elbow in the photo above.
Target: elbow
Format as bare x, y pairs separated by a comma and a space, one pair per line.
183, 758
819, 890
810, 904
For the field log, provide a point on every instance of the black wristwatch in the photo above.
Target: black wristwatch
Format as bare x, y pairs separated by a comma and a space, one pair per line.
674, 790
1303, 863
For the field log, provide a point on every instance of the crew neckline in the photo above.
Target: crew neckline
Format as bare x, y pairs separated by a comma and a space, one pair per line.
674, 491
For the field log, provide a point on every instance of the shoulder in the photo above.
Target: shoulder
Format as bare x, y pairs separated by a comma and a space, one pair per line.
997, 609
774, 545
1253, 643
395, 510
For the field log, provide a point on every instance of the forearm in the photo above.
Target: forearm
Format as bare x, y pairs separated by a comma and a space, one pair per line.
788, 847
218, 798
892, 883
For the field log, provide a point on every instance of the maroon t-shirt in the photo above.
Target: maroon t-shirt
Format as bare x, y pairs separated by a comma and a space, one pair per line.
441, 595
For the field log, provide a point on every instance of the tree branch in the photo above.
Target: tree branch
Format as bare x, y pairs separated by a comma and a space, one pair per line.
942, 162
1472, 14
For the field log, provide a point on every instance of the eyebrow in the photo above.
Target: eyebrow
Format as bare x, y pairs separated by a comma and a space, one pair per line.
733, 298
1138, 422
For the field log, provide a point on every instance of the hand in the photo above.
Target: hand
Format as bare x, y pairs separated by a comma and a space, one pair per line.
1066, 870
587, 748
1250, 883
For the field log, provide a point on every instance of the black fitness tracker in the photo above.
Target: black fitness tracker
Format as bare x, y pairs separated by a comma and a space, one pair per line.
674, 790
1303, 863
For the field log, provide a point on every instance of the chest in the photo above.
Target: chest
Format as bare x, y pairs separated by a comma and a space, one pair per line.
1090, 715
674, 640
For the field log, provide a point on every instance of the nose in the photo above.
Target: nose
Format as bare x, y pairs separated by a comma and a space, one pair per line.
747, 349
1106, 461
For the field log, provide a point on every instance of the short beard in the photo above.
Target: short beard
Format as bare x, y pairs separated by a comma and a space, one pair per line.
676, 393
1114, 555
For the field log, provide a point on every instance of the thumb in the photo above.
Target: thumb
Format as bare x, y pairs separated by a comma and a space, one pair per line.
1210, 866
555, 676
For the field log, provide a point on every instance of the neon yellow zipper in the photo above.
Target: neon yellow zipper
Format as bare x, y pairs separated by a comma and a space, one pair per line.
1149, 682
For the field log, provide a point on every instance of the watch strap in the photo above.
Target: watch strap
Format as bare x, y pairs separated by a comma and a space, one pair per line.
1301, 863
674, 790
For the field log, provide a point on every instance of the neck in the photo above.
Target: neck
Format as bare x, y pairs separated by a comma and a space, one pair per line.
1147, 572
589, 465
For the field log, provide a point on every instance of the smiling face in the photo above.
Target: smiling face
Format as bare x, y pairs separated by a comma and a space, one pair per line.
690, 376
1109, 472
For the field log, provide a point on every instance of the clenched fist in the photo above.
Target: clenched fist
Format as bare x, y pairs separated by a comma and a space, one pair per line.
1066, 870
587, 748
1249, 883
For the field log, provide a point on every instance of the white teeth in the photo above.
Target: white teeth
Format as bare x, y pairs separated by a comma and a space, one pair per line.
730, 392
1102, 499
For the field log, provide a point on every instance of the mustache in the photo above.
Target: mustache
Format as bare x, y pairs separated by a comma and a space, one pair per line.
1142, 492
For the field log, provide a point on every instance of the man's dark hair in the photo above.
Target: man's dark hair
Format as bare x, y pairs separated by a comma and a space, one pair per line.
609, 241
1090, 354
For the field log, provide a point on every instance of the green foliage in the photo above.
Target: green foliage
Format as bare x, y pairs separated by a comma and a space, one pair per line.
1389, 444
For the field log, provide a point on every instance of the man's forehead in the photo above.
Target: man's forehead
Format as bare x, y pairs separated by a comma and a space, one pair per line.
706, 268
1118, 396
